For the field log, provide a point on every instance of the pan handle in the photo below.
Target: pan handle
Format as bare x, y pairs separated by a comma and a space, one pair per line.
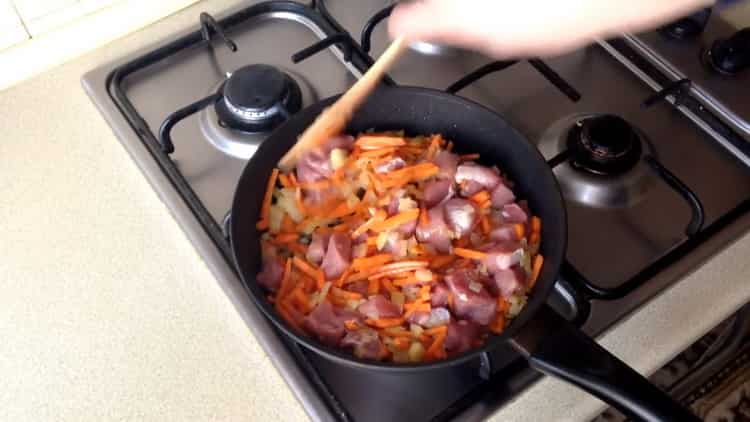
555, 347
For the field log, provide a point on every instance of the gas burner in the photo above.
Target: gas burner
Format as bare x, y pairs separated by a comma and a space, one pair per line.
256, 100
604, 168
606, 145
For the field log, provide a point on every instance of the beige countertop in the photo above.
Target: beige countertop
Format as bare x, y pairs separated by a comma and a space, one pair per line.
107, 312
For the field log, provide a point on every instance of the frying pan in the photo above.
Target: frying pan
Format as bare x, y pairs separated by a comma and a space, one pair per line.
549, 343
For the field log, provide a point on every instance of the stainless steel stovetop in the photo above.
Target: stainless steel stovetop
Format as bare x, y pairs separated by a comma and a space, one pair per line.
631, 234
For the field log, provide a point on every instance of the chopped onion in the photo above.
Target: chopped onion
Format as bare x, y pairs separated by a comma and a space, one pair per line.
338, 158
516, 304
416, 329
416, 352
406, 204
423, 275
275, 216
438, 317
353, 304
288, 203
381, 240
475, 286
319, 296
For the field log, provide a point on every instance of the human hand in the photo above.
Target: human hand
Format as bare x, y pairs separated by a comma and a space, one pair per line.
505, 29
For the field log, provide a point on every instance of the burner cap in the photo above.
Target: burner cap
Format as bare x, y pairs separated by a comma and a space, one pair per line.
257, 98
605, 145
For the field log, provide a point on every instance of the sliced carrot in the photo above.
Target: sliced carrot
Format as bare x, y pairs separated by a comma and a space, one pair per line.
343, 227
370, 142
485, 224
416, 172
401, 343
316, 185
351, 324
285, 313
395, 221
536, 269
502, 305
416, 307
498, 325
469, 157
285, 279
293, 179
405, 281
373, 287
486, 204
440, 261
435, 331
296, 248
424, 219
396, 332
480, 197
433, 148
520, 230
286, 237
287, 225
345, 294
384, 322
310, 271
469, 253
266, 205
534, 238
371, 261
298, 200
379, 216
284, 180
536, 224
301, 299
436, 350
388, 285
375, 153
424, 293
341, 280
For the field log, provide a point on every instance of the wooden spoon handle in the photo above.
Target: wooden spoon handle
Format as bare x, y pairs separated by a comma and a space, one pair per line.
333, 120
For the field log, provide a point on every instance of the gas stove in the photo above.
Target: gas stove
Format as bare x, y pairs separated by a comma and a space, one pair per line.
646, 136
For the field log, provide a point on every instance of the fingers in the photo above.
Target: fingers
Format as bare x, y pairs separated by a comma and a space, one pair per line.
432, 20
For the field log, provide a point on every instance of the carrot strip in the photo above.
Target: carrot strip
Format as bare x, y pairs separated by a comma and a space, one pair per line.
265, 209
469, 253
411, 279
376, 153
287, 237
395, 221
384, 322
284, 180
284, 312
371, 261
480, 197
433, 148
351, 325
502, 305
284, 286
485, 204
296, 248
435, 331
401, 343
485, 224
378, 217
341, 227
418, 306
341, 280
389, 286
424, 293
469, 157
536, 269
396, 332
424, 219
536, 224
441, 261
436, 349
373, 287
293, 179
287, 225
310, 271
498, 325
345, 294
317, 185
392, 272
534, 238
298, 200
520, 230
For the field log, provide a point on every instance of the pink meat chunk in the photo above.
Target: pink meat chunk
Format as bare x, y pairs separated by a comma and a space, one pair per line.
271, 273
510, 281
315, 165
338, 255
436, 232
502, 256
378, 307
325, 324
434, 318
317, 249
447, 162
513, 213
364, 342
461, 336
394, 163
471, 300
440, 294
504, 233
461, 216
502, 195
437, 191
470, 175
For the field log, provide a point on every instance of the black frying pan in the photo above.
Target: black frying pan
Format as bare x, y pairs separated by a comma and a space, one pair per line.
550, 343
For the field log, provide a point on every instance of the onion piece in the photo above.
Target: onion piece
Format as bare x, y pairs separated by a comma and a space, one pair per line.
416, 352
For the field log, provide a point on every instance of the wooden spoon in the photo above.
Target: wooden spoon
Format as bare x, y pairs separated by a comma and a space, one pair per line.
333, 120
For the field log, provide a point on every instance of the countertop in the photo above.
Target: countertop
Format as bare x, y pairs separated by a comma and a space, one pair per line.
107, 312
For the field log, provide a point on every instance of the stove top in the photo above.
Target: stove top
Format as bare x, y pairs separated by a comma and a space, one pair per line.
653, 171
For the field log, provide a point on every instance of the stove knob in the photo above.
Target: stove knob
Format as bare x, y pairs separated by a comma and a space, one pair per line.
687, 27
731, 55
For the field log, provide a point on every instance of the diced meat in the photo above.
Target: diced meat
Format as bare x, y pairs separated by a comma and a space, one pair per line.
502, 195
507, 282
378, 307
316, 251
504, 233
471, 300
365, 343
439, 295
325, 324
316, 165
271, 273
461, 216
502, 256
434, 318
394, 163
447, 162
461, 336
437, 191
513, 213
338, 255
408, 229
436, 232
471, 172
358, 287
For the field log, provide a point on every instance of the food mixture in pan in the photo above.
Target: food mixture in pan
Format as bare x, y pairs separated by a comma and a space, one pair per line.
397, 249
